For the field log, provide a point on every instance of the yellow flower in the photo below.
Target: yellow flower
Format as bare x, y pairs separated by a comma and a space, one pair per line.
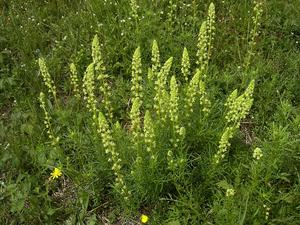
144, 218
56, 173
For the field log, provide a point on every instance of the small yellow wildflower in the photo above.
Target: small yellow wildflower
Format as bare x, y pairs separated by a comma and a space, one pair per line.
144, 218
56, 173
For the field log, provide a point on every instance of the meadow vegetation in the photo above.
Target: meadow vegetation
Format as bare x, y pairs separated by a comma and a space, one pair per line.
150, 112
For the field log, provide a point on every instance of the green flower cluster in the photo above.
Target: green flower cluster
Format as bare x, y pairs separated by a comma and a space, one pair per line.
205, 38
174, 101
137, 79
192, 93
238, 108
256, 19
202, 51
47, 121
257, 153
185, 64
155, 59
74, 80
149, 137
161, 95
224, 144
211, 17
102, 77
47, 78
175, 163
89, 89
97, 56
134, 9
171, 13
135, 120
174, 112
113, 156
204, 101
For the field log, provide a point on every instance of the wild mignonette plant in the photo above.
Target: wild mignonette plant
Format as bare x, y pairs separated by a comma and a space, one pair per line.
210, 23
102, 78
88, 88
171, 13
134, 9
113, 156
185, 64
47, 78
74, 80
155, 59
161, 95
177, 147
205, 39
47, 121
155, 151
238, 109
254, 33
137, 88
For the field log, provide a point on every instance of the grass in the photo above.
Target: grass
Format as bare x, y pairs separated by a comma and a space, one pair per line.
180, 184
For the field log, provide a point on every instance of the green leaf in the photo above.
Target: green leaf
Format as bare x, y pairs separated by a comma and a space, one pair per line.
174, 222
27, 128
92, 220
224, 185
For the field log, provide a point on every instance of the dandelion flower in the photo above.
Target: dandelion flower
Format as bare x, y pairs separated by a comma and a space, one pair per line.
56, 173
144, 218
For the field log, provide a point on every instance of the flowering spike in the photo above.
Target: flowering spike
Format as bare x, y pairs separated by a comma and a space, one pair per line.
102, 77
97, 56
204, 101
149, 136
74, 80
88, 90
134, 8
47, 121
256, 19
178, 132
47, 78
113, 156
137, 87
210, 28
174, 101
202, 56
185, 64
155, 59
257, 153
191, 93
135, 119
161, 96
238, 108
171, 13
224, 144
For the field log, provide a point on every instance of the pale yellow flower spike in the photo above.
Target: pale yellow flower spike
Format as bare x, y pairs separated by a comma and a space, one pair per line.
55, 174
